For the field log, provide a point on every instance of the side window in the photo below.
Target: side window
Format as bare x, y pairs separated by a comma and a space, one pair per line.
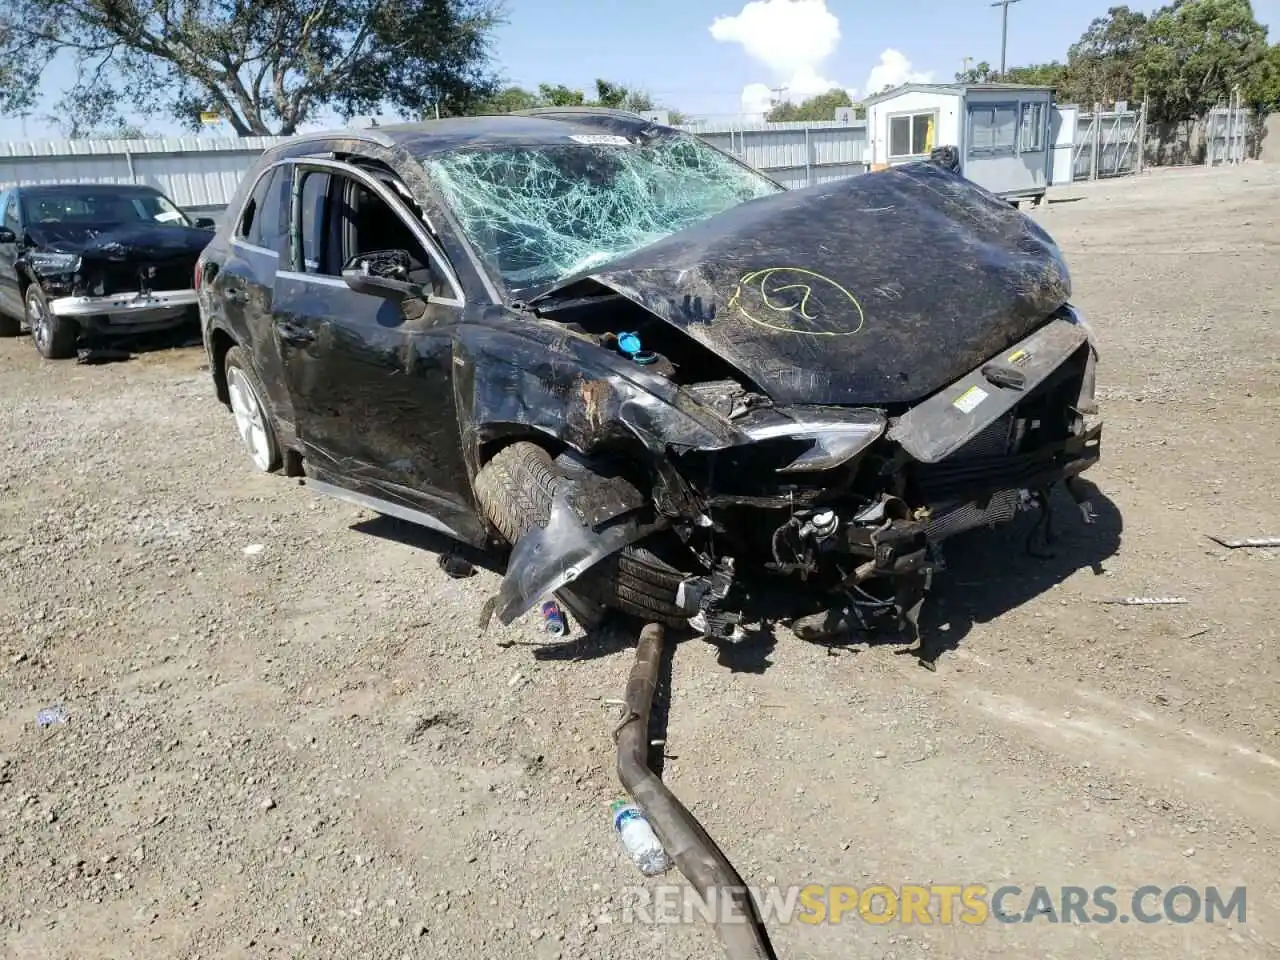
268, 227
315, 225
248, 229
11, 214
370, 224
993, 129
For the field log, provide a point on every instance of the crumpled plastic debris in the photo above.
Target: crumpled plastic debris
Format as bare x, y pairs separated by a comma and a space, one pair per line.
51, 716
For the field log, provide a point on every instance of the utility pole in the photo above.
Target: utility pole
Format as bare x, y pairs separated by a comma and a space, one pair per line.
777, 94
1004, 29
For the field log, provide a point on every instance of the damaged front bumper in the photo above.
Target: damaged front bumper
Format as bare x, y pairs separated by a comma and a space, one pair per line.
849, 504
134, 309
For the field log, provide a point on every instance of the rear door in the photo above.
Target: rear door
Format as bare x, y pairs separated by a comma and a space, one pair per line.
245, 283
371, 379
10, 300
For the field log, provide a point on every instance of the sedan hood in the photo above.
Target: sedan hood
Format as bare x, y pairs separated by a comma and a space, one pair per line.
878, 289
123, 241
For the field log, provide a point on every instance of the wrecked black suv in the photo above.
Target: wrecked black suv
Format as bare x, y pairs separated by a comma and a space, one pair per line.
665, 381
88, 258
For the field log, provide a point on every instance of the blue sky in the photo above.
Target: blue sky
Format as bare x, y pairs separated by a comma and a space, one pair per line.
701, 55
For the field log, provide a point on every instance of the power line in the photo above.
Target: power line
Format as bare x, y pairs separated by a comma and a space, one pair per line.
1004, 28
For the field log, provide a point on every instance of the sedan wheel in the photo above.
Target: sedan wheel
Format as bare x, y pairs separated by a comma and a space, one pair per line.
54, 337
252, 421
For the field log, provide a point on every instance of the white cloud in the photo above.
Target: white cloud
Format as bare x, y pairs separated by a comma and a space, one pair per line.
791, 38
784, 35
894, 69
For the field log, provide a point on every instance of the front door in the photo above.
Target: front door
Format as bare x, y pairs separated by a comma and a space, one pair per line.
370, 378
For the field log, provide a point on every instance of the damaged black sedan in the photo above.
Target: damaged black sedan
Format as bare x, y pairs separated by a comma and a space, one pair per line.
663, 381
96, 259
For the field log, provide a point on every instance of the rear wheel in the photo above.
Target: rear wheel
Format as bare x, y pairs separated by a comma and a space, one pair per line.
9, 326
54, 337
516, 489
254, 424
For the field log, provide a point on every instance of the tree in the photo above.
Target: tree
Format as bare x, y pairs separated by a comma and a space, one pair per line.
1103, 64
265, 66
1052, 74
608, 94
1196, 52
559, 96
982, 73
1263, 95
821, 107
619, 97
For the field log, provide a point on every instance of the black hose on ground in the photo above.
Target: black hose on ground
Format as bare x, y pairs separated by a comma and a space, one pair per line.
696, 855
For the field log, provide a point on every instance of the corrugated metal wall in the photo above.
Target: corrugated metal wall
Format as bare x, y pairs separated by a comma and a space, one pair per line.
198, 173
794, 154
201, 174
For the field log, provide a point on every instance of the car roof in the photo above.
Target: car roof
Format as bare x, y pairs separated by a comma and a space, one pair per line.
88, 185
527, 128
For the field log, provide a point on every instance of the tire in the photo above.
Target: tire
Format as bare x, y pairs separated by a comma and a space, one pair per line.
55, 337
254, 423
516, 488
9, 326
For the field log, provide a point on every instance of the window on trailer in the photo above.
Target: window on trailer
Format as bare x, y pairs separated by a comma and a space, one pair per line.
993, 128
911, 135
1031, 129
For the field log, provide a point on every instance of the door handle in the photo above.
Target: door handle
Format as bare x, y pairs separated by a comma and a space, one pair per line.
295, 334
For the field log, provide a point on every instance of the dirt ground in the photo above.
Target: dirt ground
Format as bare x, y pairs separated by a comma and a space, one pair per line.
312, 751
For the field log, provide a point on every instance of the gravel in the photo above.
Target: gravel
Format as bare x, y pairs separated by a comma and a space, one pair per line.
310, 748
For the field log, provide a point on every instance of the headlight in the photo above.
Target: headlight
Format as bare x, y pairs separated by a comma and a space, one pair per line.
49, 264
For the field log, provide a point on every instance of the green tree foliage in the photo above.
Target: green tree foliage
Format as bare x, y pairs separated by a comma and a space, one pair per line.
1185, 58
607, 94
821, 107
1103, 65
265, 66
1053, 74
1196, 52
1264, 94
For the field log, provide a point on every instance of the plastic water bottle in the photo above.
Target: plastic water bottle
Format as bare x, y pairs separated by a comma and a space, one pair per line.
638, 839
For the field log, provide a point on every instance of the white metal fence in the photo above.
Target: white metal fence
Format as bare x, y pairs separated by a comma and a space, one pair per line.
1108, 143
1226, 133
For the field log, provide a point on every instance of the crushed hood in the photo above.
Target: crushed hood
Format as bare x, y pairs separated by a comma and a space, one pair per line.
878, 289
119, 242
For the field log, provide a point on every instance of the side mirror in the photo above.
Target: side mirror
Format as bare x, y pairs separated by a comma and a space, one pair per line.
206, 223
7, 235
382, 273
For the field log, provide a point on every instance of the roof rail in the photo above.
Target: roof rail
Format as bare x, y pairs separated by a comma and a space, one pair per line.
580, 112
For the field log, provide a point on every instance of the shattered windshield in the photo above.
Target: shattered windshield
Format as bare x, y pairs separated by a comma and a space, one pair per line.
537, 214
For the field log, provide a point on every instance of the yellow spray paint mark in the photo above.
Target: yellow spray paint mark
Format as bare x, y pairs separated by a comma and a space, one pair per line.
777, 296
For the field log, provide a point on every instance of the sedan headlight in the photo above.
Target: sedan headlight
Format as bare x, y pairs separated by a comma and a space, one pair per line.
51, 264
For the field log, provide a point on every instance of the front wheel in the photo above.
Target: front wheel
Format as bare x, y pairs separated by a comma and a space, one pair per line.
54, 337
516, 489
